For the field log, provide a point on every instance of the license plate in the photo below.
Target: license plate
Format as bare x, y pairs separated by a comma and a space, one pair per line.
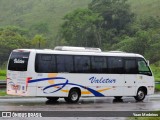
16, 87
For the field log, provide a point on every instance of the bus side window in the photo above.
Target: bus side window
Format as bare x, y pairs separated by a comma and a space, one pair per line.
130, 66
143, 68
64, 63
99, 64
115, 65
82, 64
45, 63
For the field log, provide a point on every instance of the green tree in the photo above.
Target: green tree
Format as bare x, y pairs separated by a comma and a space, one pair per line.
39, 41
117, 19
147, 23
102, 25
15, 29
11, 38
142, 42
152, 52
116, 13
82, 27
137, 44
39, 28
126, 44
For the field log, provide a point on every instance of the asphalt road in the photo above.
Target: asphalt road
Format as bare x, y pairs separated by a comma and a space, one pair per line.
92, 105
85, 104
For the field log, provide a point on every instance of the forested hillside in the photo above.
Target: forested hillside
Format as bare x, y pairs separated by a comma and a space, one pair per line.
145, 7
39, 16
131, 26
45, 16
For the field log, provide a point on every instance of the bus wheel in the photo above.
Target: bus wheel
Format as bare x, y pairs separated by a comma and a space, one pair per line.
140, 95
73, 96
53, 99
117, 97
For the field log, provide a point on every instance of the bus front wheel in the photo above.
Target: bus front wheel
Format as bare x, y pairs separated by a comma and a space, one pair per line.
73, 96
140, 95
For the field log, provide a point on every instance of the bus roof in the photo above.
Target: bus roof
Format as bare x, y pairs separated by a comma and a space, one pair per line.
95, 53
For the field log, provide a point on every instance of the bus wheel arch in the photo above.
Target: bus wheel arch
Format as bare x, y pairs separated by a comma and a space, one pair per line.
141, 93
74, 95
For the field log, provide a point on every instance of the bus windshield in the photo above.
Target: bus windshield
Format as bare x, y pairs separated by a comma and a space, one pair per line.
143, 68
18, 61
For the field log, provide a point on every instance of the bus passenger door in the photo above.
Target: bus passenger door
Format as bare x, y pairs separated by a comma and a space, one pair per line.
145, 77
130, 76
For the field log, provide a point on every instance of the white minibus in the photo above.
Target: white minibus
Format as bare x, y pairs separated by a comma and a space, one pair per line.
74, 72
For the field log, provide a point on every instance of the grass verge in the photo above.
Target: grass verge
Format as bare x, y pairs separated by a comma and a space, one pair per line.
2, 74
3, 93
156, 72
2, 77
157, 87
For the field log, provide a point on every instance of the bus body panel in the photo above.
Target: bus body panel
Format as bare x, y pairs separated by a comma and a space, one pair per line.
59, 84
130, 85
147, 81
17, 81
31, 83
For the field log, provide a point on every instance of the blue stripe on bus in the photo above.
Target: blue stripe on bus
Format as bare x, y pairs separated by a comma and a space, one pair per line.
44, 79
97, 94
63, 85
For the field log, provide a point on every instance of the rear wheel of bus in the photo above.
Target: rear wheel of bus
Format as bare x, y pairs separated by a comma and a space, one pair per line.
118, 97
73, 96
53, 99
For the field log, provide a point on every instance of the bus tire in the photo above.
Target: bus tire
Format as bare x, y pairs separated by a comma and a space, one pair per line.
140, 95
53, 99
118, 97
73, 96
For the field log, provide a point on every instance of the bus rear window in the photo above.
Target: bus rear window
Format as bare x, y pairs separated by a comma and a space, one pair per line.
18, 61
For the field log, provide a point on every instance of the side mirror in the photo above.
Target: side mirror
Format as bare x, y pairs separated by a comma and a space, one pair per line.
148, 62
